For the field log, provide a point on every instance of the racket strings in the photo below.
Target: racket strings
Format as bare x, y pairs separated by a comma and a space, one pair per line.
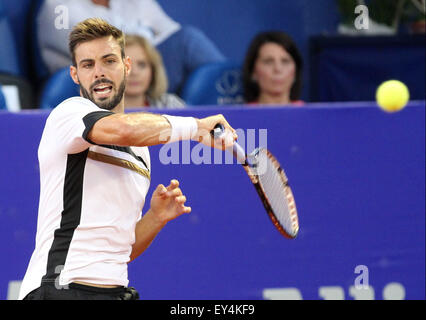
274, 184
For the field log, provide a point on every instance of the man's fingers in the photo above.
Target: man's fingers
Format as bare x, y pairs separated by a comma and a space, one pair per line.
180, 199
161, 189
225, 141
174, 193
232, 132
187, 209
173, 185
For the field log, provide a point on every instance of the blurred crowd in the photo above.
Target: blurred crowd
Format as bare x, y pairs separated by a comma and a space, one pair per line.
168, 58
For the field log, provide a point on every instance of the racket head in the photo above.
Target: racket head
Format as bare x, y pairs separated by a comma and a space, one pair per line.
271, 183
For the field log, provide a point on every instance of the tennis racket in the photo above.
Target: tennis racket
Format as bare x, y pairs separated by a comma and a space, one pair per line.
271, 184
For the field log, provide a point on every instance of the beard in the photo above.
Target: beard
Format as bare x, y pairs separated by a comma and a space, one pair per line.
107, 103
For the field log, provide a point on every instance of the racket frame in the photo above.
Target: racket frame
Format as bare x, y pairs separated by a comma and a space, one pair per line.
250, 168
254, 178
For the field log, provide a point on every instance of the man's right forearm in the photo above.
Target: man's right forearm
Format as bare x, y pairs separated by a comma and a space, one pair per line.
148, 129
134, 129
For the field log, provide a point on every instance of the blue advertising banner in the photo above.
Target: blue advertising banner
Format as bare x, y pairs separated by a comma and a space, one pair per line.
358, 176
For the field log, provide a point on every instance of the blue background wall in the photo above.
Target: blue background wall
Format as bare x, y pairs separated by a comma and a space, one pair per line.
358, 176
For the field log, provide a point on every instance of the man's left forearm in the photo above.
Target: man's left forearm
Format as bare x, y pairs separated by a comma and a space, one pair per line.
145, 232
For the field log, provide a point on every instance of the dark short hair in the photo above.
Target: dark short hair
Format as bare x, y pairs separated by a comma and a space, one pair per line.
91, 29
251, 89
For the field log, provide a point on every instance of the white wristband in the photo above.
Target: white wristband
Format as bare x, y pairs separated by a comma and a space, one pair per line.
183, 128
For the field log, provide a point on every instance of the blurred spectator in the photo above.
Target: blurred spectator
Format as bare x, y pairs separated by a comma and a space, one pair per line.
183, 48
147, 82
272, 70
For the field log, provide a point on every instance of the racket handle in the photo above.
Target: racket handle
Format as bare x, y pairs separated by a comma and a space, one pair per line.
218, 131
239, 153
236, 149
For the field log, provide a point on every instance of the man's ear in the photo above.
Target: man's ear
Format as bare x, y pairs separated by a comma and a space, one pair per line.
73, 74
128, 65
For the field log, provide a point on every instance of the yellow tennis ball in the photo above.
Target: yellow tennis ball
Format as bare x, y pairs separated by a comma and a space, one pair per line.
392, 95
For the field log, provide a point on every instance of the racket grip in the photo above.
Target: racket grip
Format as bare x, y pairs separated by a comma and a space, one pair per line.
218, 131
237, 151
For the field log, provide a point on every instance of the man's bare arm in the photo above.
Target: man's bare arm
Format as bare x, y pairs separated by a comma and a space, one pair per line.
167, 203
135, 129
148, 129
145, 232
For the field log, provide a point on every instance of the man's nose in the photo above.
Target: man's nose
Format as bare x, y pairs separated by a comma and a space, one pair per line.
99, 71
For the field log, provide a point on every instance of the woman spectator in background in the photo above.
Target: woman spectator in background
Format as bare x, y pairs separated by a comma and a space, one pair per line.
272, 70
147, 82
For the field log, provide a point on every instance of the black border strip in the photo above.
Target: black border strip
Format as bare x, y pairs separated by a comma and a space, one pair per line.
70, 216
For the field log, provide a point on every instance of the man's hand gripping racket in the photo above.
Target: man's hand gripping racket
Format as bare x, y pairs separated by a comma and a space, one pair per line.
271, 184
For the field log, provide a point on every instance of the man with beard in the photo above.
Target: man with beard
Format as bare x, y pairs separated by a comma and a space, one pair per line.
95, 174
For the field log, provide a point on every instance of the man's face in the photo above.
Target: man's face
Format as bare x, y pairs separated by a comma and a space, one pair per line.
101, 72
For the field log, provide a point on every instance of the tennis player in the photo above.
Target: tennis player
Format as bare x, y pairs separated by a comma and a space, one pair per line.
95, 173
